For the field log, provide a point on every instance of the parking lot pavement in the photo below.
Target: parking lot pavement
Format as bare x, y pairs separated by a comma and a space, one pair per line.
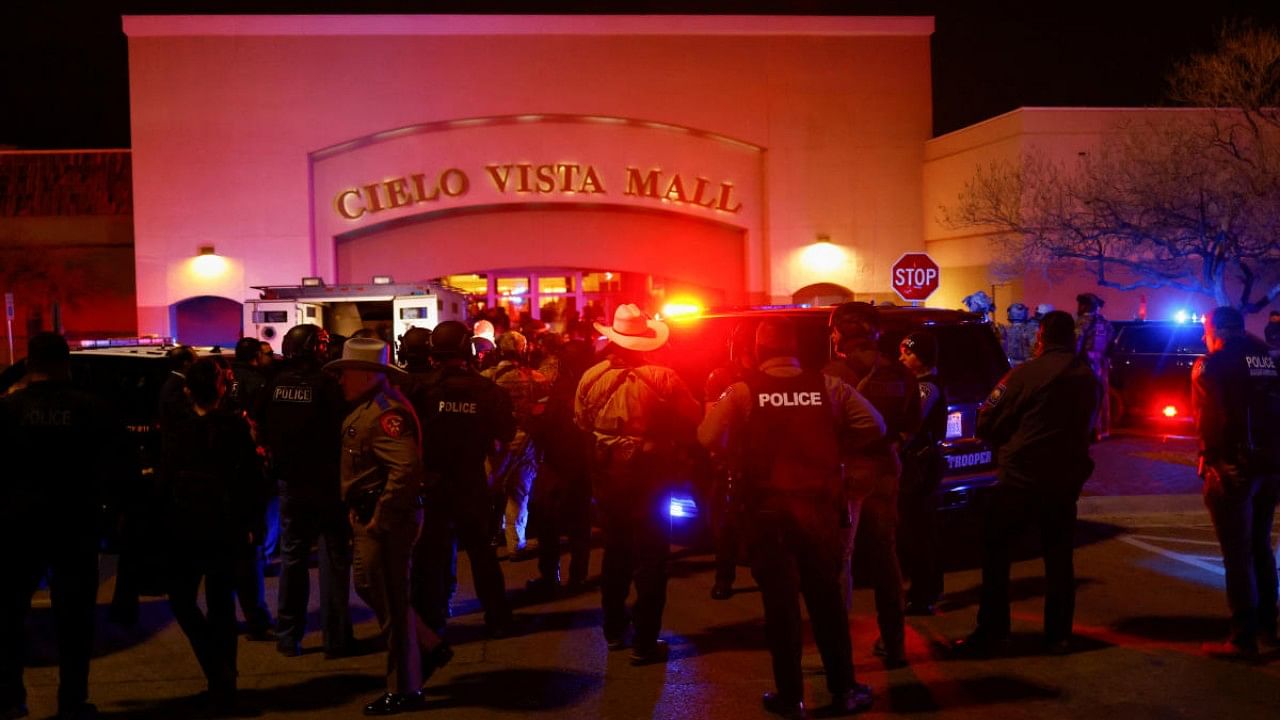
1149, 592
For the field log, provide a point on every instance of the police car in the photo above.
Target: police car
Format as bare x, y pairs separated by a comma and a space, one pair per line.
971, 362
1151, 373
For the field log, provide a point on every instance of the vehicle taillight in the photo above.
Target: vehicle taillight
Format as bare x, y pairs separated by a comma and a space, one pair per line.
1170, 411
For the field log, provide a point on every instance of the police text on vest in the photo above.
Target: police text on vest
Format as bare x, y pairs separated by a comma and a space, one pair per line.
791, 399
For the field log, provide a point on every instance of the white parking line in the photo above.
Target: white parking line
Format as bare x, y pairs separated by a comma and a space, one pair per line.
1187, 559
1175, 539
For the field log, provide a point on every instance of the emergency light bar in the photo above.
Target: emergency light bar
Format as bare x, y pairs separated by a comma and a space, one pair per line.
126, 342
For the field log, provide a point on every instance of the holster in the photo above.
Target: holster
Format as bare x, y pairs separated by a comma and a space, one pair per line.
364, 502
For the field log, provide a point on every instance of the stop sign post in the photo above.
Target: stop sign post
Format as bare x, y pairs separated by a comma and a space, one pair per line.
915, 276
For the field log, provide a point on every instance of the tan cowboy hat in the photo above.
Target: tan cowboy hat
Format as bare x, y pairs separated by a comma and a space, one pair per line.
367, 354
633, 330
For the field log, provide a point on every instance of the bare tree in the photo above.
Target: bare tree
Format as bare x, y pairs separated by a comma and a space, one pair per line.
1185, 199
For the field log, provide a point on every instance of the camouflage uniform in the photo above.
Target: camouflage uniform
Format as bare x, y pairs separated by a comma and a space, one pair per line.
516, 466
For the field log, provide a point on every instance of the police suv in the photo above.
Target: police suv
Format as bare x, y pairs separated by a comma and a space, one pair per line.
970, 363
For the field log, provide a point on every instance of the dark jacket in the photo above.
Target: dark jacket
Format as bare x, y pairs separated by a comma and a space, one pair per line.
1038, 419
1235, 391
214, 483
66, 458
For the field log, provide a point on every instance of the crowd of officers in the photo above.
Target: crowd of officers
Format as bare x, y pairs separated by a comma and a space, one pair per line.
391, 469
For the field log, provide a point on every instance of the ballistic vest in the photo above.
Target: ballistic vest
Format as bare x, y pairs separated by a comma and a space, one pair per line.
791, 442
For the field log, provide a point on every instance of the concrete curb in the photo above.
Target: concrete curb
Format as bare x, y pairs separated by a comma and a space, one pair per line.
1096, 505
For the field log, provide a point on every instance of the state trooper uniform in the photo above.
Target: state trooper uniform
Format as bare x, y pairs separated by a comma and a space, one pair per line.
382, 483
788, 426
1236, 394
466, 415
639, 414
65, 456
1037, 420
302, 429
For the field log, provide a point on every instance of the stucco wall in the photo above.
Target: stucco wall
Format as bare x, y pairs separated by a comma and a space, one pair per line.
226, 111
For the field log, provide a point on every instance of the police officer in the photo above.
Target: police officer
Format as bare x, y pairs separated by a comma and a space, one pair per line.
173, 402
874, 474
1236, 394
302, 430
922, 468
640, 414
465, 416
64, 455
1093, 341
1019, 336
516, 466
382, 481
784, 427
723, 502
1037, 420
245, 397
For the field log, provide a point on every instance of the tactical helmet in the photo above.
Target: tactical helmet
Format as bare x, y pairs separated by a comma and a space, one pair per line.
451, 339
1018, 312
415, 344
311, 341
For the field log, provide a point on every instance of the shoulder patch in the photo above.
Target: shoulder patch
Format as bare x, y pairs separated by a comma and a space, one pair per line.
394, 424
994, 398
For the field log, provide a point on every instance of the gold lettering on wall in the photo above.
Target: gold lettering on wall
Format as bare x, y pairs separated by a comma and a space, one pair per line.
531, 179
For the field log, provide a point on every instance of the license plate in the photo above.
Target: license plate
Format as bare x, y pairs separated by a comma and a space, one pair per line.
955, 424
968, 460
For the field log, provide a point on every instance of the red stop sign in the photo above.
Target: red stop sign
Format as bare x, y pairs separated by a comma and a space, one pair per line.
915, 276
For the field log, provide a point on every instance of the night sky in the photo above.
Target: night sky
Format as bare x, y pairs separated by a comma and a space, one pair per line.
64, 81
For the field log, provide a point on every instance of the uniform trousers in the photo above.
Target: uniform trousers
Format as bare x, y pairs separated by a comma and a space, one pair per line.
457, 514
795, 551
562, 506
635, 510
1243, 512
726, 519
875, 527
1010, 510
381, 574
212, 635
72, 565
306, 518
918, 549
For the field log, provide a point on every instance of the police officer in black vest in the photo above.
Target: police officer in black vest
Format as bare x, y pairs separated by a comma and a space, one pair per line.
301, 428
464, 416
64, 455
791, 427
1236, 392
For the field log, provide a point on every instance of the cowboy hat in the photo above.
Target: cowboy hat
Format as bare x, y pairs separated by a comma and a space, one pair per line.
367, 354
633, 330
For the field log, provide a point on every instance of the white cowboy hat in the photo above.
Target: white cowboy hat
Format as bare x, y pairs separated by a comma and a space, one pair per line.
633, 330
367, 354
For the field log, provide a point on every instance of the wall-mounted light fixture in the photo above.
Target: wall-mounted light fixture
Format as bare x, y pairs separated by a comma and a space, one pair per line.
208, 263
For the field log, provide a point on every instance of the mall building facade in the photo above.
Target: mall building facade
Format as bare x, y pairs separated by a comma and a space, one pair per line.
556, 162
